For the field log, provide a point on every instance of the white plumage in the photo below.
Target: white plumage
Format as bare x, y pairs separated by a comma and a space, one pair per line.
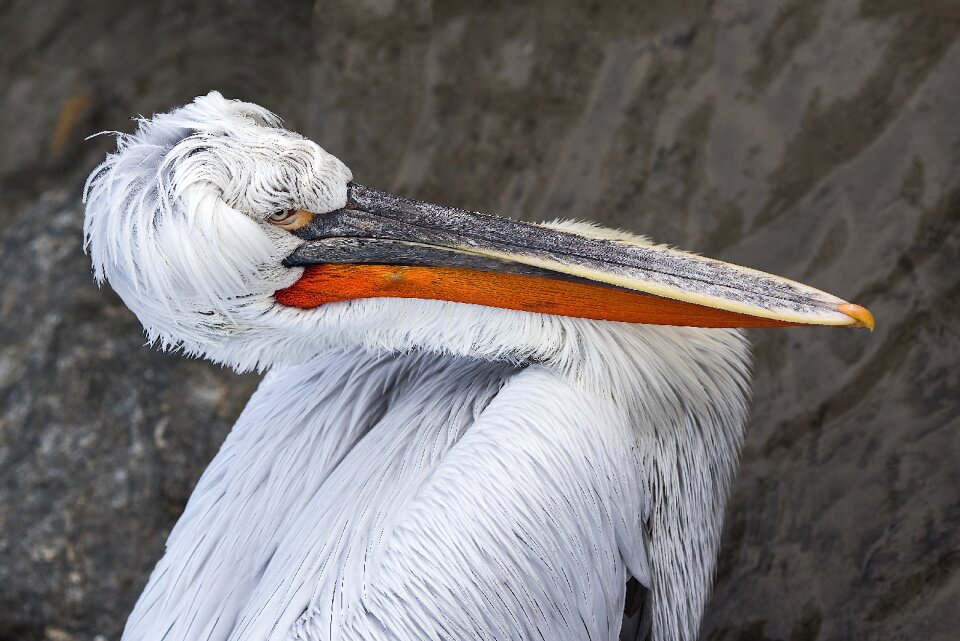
408, 469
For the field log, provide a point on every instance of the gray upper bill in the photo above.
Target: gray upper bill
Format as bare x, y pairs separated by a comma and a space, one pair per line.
377, 227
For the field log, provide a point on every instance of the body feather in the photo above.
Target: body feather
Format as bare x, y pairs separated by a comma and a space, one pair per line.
367, 495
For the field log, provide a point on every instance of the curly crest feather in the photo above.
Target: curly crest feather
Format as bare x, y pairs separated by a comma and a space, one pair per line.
175, 216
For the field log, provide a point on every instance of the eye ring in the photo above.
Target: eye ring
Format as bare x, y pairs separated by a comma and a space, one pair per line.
290, 219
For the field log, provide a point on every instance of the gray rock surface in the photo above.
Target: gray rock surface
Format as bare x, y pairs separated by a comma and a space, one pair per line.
818, 139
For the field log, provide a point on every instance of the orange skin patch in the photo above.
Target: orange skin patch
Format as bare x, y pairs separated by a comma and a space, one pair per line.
331, 283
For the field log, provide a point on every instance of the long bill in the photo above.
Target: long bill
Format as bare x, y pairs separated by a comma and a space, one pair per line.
381, 245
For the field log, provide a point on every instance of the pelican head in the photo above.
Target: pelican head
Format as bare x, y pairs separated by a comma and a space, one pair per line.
232, 238
240, 241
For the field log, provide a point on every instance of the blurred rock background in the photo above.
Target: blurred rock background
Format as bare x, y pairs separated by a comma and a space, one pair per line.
818, 139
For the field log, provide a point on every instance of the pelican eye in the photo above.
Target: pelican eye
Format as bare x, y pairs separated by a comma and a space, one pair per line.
290, 219
282, 216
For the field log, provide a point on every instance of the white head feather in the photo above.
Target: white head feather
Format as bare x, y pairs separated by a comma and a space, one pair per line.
176, 217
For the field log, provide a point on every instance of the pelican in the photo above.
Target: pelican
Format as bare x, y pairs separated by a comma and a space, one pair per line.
470, 427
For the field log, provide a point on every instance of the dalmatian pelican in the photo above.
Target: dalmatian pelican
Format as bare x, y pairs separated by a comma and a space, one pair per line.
470, 427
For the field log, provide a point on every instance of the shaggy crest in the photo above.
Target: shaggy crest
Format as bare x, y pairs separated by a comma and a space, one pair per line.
176, 216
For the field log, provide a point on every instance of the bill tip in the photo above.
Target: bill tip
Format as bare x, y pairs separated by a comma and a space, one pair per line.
861, 315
